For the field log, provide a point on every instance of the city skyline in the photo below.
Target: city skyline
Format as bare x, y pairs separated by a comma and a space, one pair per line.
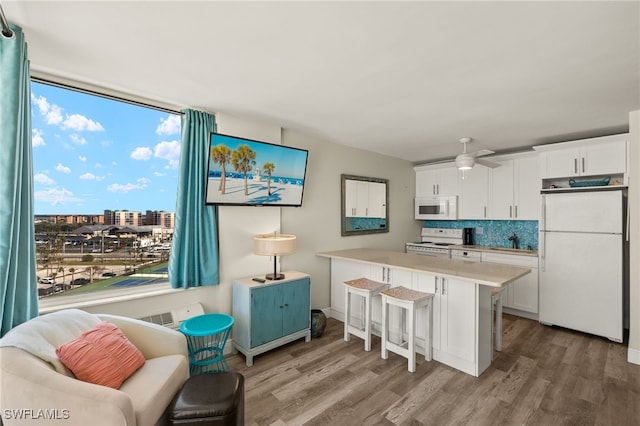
92, 154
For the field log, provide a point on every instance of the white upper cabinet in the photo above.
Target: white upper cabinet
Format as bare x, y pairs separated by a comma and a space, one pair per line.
588, 157
436, 180
365, 199
515, 189
475, 194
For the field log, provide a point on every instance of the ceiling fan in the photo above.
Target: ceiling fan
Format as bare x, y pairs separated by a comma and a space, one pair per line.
467, 160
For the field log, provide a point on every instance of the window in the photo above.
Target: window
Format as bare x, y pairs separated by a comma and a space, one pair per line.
105, 176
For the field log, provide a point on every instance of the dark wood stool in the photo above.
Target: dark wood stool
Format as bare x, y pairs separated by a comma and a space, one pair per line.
209, 399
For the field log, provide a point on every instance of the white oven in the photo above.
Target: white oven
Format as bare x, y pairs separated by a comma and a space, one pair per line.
435, 242
436, 207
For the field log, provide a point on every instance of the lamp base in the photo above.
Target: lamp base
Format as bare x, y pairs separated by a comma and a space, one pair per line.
274, 277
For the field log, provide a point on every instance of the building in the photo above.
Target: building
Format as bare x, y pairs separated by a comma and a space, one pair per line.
162, 218
122, 217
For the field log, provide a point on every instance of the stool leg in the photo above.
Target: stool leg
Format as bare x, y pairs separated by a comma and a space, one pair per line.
347, 313
428, 350
499, 324
411, 336
385, 328
367, 323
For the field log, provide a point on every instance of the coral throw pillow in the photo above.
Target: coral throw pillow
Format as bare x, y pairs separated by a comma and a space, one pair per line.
103, 356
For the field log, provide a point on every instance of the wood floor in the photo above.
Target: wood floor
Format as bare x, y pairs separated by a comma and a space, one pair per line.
543, 376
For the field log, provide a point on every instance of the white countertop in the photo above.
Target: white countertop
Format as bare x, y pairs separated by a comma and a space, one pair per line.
490, 274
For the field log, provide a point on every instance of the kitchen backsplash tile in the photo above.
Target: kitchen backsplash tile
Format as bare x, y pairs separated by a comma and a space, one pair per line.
495, 233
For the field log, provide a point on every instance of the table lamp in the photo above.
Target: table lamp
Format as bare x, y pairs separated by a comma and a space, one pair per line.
274, 245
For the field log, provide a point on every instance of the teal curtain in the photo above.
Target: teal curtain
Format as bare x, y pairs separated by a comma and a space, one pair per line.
18, 289
194, 253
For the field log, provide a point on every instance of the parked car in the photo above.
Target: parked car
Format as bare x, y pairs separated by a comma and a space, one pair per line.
47, 280
61, 287
80, 281
109, 274
45, 291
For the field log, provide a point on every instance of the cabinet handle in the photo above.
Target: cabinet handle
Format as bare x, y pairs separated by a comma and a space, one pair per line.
443, 289
516, 216
384, 272
583, 168
438, 189
575, 165
388, 275
433, 189
485, 211
436, 285
510, 211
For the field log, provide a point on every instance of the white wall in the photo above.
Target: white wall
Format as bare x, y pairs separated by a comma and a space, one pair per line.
633, 354
316, 224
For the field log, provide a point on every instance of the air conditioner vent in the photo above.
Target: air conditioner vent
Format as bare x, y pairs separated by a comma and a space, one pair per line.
174, 318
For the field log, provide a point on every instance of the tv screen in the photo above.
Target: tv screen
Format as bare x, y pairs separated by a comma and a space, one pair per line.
244, 172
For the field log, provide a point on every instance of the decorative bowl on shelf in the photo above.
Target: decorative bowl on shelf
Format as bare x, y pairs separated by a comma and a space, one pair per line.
580, 184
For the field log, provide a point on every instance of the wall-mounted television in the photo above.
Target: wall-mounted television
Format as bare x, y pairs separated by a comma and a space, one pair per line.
245, 172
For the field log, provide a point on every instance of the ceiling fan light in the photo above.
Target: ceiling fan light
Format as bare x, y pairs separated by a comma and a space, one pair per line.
465, 162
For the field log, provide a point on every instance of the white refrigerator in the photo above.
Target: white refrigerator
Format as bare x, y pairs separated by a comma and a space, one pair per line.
581, 261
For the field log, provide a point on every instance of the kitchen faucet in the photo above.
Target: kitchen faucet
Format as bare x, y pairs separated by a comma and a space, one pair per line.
514, 240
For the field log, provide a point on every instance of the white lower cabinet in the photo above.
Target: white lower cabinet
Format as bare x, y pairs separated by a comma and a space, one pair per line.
461, 312
461, 322
521, 294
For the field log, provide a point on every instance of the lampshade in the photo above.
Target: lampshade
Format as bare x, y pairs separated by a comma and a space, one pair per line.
274, 245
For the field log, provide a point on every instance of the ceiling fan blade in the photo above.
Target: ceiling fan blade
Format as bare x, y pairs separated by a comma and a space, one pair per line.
482, 152
487, 163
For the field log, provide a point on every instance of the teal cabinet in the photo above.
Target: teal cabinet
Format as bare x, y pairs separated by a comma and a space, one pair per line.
270, 314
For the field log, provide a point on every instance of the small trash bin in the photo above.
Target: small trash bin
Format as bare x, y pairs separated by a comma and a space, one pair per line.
206, 337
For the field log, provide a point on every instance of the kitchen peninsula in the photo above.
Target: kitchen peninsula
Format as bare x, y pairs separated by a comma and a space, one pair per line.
462, 311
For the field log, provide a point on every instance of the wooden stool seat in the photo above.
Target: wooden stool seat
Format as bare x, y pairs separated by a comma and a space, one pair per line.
366, 289
409, 300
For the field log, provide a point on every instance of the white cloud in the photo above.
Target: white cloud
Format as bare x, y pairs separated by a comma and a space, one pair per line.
143, 153
62, 168
169, 151
82, 158
55, 196
80, 123
51, 113
36, 138
77, 139
43, 179
159, 174
91, 176
169, 126
117, 187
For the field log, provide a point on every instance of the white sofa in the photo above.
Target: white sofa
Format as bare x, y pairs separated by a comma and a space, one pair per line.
36, 386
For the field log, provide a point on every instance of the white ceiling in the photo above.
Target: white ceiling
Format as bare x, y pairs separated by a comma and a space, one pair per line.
405, 79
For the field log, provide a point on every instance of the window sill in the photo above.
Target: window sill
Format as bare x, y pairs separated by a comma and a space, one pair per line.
102, 298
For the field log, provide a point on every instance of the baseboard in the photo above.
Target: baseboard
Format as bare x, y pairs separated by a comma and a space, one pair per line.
633, 356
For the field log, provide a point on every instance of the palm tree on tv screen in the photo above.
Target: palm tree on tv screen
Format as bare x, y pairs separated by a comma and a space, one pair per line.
268, 169
221, 154
243, 159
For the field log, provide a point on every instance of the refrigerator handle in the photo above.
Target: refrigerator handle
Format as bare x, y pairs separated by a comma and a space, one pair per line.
543, 233
628, 222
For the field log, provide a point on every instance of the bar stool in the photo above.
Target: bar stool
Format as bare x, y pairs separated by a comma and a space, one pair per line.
409, 300
367, 289
496, 307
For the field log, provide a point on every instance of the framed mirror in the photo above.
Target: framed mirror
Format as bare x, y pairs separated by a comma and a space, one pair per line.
365, 207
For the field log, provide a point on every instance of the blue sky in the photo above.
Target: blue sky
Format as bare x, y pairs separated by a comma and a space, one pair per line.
92, 154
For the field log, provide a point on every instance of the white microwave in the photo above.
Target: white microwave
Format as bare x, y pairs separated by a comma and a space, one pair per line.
437, 207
